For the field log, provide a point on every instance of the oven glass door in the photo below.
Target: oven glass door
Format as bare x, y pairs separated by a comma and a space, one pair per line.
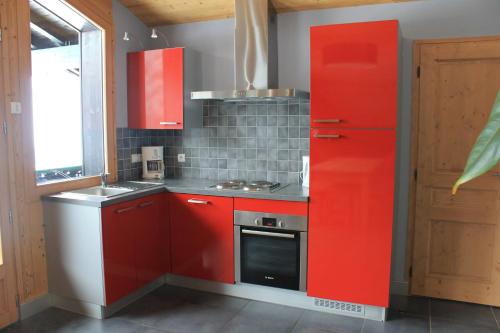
270, 258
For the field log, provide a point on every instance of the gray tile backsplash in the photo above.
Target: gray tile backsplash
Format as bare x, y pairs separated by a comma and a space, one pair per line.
238, 140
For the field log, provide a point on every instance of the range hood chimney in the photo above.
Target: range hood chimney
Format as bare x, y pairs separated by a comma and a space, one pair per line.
255, 57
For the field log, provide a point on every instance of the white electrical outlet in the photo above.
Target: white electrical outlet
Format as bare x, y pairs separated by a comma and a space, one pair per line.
136, 158
181, 158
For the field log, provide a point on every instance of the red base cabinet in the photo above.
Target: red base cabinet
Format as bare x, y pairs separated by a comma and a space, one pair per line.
136, 247
202, 236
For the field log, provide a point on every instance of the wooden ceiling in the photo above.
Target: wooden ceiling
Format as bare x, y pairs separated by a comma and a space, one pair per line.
161, 12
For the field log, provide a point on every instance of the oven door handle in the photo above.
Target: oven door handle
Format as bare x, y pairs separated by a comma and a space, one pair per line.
267, 233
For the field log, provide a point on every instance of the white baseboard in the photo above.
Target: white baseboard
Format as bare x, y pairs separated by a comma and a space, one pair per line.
35, 306
280, 296
400, 288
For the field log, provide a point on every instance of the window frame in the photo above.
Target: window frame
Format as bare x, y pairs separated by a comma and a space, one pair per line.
104, 21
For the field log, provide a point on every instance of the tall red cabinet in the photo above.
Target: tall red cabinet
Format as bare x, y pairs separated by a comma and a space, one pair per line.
354, 103
159, 85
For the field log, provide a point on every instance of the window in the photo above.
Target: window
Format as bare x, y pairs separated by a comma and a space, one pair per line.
67, 93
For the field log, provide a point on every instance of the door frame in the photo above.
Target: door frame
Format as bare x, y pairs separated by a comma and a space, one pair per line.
415, 117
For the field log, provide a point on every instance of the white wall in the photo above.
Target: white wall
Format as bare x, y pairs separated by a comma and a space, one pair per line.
124, 20
424, 19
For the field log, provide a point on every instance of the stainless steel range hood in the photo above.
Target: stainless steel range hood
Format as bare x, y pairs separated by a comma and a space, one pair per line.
255, 57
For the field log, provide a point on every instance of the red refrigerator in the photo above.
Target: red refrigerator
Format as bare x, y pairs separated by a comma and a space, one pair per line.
354, 103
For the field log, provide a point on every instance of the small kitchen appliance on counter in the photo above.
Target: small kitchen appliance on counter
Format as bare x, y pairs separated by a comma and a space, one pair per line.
153, 166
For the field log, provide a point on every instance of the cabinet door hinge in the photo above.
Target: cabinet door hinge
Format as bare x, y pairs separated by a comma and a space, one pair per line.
418, 72
0, 34
11, 218
4, 127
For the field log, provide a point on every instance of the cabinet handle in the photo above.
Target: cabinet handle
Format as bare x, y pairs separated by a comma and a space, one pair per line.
267, 233
198, 202
334, 121
146, 204
169, 123
327, 136
496, 174
124, 210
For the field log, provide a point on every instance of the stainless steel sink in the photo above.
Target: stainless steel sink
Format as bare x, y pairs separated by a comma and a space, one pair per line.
99, 191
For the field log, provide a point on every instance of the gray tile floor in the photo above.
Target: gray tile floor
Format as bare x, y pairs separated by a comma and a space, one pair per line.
178, 310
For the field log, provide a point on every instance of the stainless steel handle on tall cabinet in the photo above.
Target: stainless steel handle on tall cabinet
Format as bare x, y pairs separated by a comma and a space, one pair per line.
169, 123
327, 136
124, 210
198, 202
267, 233
334, 121
496, 174
146, 204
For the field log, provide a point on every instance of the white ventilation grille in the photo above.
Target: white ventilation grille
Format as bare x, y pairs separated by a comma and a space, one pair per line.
337, 306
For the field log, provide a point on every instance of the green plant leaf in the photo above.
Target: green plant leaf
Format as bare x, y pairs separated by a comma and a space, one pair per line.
486, 151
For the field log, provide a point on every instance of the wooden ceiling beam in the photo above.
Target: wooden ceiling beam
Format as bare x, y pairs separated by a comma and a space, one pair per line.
164, 12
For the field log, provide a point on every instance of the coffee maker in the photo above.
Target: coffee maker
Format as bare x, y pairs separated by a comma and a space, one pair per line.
153, 166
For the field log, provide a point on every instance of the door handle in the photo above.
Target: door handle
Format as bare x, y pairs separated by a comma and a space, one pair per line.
332, 121
267, 233
198, 202
169, 123
146, 204
124, 210
327, 136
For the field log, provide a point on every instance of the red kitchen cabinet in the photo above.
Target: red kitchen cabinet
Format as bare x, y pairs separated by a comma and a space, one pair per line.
118, 238
159, 86
354, 75
351, 215
150, 234
136, 245
271, 206
202, 236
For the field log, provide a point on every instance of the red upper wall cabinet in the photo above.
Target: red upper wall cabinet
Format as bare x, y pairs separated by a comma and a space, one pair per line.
354, 75
159, 87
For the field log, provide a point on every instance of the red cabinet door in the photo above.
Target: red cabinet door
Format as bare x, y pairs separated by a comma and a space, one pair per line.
149, 238
118, 238
351, 215
354, 75
156, 89
202, 237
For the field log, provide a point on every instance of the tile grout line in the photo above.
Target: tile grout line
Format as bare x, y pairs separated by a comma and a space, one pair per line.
297, 321
494, 316
430, 316
234, 316
364, 323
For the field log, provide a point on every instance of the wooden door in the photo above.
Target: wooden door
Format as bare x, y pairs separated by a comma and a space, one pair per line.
457, 238
8, 287
354, 75
202, 235
351, 215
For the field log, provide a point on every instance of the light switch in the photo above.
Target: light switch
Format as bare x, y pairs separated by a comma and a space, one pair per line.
15, 107
181, 158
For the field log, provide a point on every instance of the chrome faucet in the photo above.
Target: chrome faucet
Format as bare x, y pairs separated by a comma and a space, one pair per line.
104, 179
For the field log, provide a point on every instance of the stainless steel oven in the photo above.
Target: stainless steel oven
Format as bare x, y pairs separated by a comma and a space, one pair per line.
270, 249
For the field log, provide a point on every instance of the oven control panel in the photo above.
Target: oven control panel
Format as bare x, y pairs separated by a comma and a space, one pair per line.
272, 221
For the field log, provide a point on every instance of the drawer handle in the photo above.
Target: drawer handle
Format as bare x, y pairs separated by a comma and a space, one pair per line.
146, 204
169, 123
198, 202
267, 233
334, 121
327, 136
496, 174
124, 210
